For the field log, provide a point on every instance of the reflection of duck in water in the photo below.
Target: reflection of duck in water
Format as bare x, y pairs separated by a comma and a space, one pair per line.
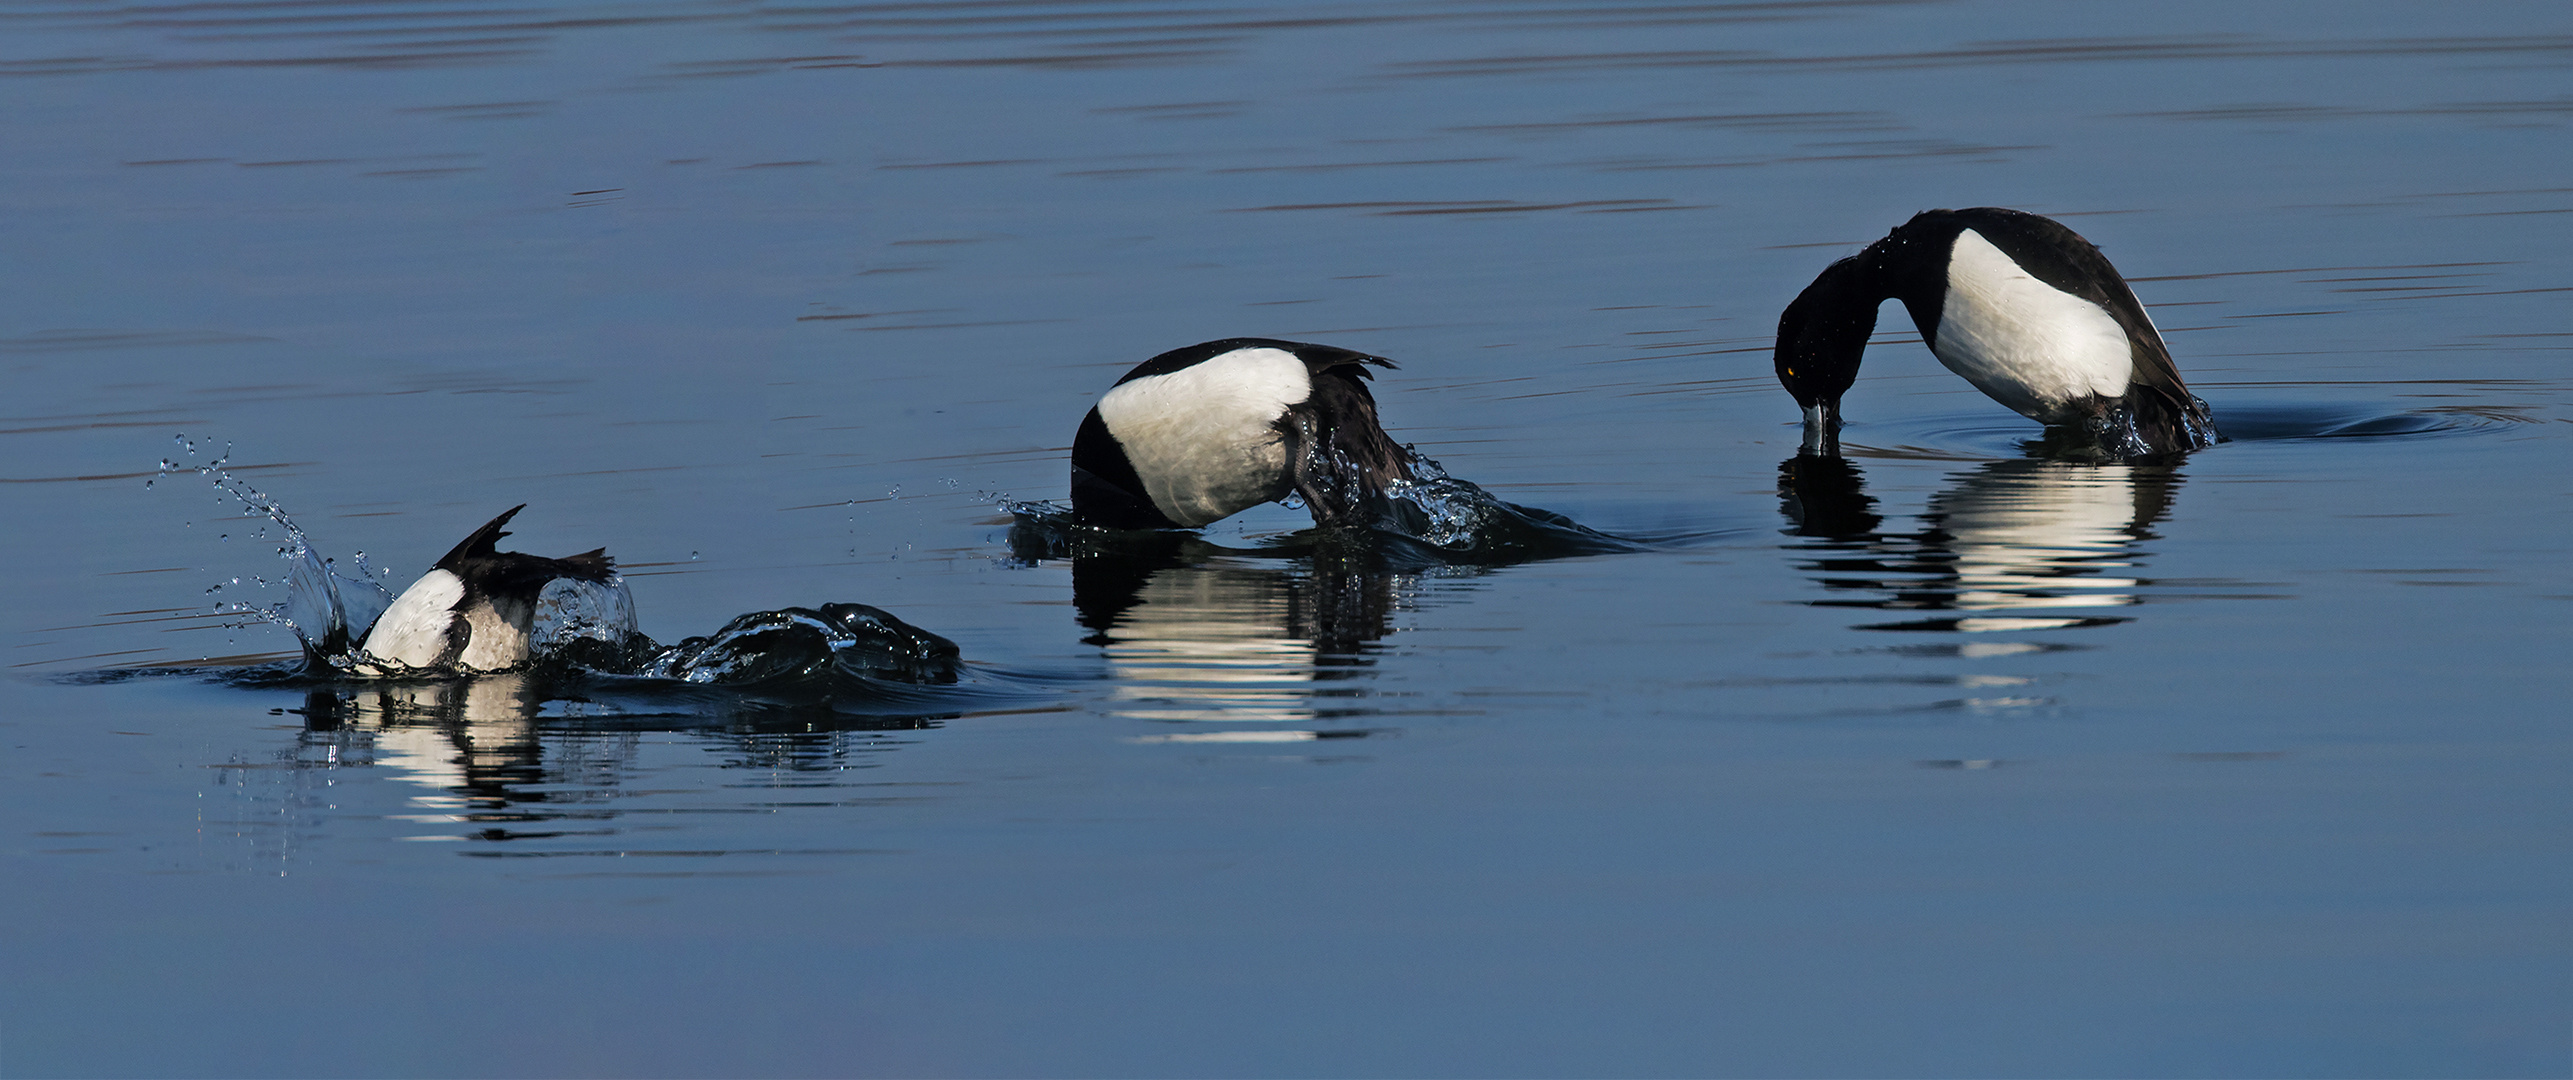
475, 610
2022, 307
471, 742
2021, 544
1194, 632
510, 753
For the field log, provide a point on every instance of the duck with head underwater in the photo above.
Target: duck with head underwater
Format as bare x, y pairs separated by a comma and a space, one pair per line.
1196, 435
475, 611
2023, 308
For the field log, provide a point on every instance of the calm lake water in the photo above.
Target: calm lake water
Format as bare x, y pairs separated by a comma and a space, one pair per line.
1939, 759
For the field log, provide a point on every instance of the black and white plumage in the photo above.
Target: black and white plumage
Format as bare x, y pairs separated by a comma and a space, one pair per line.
1196, 435
474, 610
2022, 307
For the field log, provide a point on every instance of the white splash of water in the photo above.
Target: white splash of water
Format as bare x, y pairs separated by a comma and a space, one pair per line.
570, 610
326, 619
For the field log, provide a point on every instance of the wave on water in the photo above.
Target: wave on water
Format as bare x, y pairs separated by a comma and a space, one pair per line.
1460, 521
2267, 421
585, 646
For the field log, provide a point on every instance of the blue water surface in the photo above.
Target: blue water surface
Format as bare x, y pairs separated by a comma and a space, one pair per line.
1933, 759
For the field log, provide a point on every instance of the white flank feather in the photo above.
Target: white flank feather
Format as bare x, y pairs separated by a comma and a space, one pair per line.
1203, 439
413, 632
2030, 346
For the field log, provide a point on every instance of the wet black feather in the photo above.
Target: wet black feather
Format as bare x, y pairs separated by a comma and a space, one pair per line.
511, 581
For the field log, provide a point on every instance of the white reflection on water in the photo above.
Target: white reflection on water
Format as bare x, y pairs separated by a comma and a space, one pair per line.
1208, 644
2034, 539
506, 760
463, 741
2002, 544
1194, 638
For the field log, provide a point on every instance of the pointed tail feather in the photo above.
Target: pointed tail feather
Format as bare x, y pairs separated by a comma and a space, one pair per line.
591, 565
481, 543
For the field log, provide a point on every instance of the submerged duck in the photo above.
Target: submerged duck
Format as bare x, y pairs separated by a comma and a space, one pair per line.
474, 610
1195, 435
2022, 307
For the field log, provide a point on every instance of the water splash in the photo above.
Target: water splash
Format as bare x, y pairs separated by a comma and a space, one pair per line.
1464, 522
802, 644
326, 619
580, 629
570, 610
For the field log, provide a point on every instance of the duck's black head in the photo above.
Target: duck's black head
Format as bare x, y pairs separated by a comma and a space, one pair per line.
1822, 335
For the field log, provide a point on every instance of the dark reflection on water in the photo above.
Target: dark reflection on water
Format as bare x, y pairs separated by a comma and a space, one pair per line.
1328, 599
2016, 545
512, 758
1193, 631
526, 755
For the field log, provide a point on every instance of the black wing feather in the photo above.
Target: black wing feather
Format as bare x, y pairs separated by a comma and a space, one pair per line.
1338, 452
482, 544
511, 580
